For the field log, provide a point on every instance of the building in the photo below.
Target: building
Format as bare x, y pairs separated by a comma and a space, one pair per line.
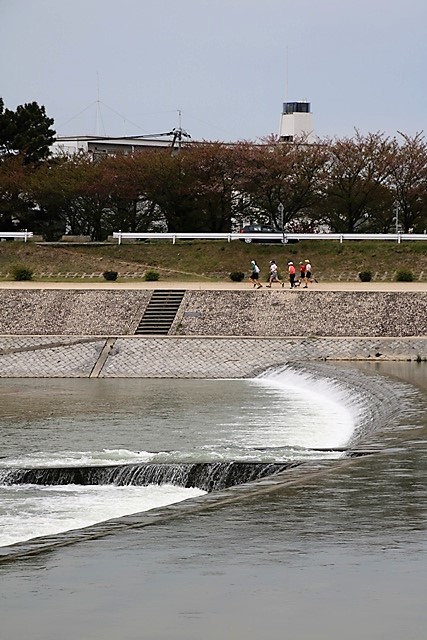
106, 145
296, 122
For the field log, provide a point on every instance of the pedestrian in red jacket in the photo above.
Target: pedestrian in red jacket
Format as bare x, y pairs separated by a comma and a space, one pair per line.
301, 272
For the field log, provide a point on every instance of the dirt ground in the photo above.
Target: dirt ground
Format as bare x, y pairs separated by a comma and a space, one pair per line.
219, 286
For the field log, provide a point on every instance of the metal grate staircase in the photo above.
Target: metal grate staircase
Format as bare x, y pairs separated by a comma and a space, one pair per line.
160, 312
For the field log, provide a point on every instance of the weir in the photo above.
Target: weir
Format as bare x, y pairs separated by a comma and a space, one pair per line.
208, 476
205, 476
218, 449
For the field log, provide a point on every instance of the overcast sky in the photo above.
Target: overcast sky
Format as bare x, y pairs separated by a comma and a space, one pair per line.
228, 65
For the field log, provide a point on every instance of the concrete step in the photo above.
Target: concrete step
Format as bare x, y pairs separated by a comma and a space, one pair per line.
160, 312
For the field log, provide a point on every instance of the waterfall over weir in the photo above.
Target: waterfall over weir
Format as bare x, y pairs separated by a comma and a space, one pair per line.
206, 476
68, 463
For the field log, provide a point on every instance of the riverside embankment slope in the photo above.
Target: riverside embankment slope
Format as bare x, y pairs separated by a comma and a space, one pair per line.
221, 330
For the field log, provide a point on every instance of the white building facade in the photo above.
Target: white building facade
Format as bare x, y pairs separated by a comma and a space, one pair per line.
296, 122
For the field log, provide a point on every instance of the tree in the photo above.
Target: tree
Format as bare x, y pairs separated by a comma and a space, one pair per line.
357, 170
216, 169
130, 208
169, 184
409, 182
286, 174
92, 197
14, 201
71, 195
26, 131
52, 190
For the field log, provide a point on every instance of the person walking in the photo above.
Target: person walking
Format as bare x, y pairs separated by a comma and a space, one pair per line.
254, 277
301, 272
308, 273
273, 274
291, 270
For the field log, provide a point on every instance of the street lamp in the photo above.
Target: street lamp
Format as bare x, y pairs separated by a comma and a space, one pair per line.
396, 213
396, 219
281, 209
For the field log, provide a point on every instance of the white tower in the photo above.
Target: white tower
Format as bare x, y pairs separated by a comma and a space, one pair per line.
296, 122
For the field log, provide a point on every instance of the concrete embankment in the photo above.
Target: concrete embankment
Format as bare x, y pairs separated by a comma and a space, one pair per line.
225, 333
315, 313
278, 313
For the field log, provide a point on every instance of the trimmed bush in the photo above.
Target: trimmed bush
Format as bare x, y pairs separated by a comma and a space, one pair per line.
151, 276
237, 276
21, 272
110, 275
365, 276
404, 275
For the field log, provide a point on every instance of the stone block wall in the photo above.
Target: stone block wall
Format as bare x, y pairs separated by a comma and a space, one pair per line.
197, 357
302, 313
277, 313
71, 311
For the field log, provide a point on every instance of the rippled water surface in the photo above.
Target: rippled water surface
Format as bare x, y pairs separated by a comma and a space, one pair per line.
284, 415
339, 555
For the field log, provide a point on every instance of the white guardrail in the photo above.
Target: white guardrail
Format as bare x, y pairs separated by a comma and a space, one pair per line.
266, 237
16, 234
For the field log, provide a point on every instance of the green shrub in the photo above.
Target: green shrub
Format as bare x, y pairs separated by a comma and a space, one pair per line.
365, 276
237, 276
151, 276
110, 275
404, 275
21, 272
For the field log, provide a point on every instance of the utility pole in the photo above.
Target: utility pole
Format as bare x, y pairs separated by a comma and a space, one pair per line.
281, 209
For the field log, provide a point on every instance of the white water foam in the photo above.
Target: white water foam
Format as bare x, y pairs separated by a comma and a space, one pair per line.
312, 411
30, 511
104, 457
295, 414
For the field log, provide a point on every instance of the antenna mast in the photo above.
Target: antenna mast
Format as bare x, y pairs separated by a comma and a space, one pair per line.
287, 74
98, 123
179, 133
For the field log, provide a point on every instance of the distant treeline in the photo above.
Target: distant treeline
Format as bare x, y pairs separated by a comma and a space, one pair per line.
358, 184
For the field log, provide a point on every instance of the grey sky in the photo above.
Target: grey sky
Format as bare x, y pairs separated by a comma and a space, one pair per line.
227, 64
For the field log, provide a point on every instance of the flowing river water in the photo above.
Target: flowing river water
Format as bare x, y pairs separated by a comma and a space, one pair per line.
341, 553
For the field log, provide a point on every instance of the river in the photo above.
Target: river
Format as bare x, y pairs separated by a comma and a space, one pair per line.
341, 553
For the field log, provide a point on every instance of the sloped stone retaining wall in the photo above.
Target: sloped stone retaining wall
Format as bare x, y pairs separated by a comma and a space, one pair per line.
220, 334
217, 313
71, 311
199, 357
302, 313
